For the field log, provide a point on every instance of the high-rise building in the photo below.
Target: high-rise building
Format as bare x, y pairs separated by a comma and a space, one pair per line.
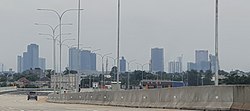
175, 66
191, 66
19, 64
85, 60
93, 61
201, 60
26, 61
73, 63
33, 53
212, 59
157, 59
122, 65
179, 60
42, 63
30, 59
171, 67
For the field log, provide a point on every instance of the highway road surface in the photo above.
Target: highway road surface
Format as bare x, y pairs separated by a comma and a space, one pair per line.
12, 102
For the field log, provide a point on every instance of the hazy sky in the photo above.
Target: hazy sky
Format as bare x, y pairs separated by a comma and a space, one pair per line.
178, 26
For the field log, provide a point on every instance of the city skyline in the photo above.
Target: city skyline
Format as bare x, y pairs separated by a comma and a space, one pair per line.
156, 27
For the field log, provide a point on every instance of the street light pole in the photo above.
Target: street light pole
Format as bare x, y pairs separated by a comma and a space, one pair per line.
60, 43
60, 31
142, 65
102, 57
129, 72
54, 37
78, 46
216, 43
114, 59
118, 44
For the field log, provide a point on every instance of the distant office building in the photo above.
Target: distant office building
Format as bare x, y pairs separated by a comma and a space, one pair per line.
212, 59
19, 64
30, 59
85, 60
171, 67
175, 67
42, 63
93, 61
33, 53
201, 60
26, 61
191, 66
150, 65
157, 59
73, 61
179, 60
122, 65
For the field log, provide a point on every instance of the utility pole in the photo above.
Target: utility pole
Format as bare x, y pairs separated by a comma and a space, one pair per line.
216, 43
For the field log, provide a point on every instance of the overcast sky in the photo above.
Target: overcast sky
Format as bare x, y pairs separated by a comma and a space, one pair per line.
178, 26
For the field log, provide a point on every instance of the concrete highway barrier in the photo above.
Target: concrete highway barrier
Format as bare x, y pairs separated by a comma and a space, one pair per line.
7, 89
200, 98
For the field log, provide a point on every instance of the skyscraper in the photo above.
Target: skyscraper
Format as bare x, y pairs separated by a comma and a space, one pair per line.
122, 65
42, 63
26, 61
191, 66
157, 59
175, 66
93, 61
73, 64
212, 59
33, 53
30, 59
85, 60
201, 60
179, 59
19, 64
171, 67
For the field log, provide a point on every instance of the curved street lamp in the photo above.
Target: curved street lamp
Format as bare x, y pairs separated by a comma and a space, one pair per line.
60, 16
142, 65
129, 71
102, 57
54, 37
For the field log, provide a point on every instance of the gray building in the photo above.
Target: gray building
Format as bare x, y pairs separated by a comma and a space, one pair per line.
73, 64
191, 66
212, 59
42, 63
171, 67
85, 60
157, 59
19, 64
123, 65
26, 61
175, 67
30, 59
33, 53
93, 61
201, 60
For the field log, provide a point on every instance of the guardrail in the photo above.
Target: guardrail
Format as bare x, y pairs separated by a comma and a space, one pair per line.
35, 89
7, 89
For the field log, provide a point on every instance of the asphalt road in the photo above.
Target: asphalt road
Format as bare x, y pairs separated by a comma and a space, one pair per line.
10, 102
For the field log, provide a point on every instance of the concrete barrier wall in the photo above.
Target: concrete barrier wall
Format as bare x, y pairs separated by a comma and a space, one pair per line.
241, 98
201, 98
7, 89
